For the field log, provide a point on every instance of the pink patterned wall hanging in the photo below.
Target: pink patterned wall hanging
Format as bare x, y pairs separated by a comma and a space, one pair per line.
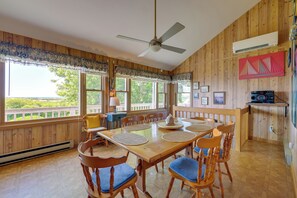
264, 66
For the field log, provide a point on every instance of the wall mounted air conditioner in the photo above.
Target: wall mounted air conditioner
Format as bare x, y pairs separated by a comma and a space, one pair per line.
258, 42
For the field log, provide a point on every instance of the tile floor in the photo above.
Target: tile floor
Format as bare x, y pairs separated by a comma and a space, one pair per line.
259, 171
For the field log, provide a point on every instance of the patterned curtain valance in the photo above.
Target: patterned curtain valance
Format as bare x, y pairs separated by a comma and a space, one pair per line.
141, 74
24, 54
181, 77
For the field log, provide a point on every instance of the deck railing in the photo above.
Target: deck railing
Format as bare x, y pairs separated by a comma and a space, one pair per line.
239, 116
57, 112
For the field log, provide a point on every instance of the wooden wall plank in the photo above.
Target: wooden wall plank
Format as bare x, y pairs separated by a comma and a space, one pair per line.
217, 66
1, 142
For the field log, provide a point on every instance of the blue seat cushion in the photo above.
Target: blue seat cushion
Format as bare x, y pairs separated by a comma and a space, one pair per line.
205, 151
187, 168
122, 174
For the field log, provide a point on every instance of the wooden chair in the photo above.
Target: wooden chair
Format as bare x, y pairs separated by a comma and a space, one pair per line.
151, 117
160, 116
139, 119
106, 177
93, 124
127, 121
225, 151
198, 173
132, 120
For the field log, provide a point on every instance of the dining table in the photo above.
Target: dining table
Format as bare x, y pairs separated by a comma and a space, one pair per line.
156, 148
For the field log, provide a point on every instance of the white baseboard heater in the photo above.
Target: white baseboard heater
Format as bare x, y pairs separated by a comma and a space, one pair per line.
34, 152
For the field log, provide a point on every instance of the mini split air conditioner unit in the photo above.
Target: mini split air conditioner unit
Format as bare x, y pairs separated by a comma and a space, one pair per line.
258, 42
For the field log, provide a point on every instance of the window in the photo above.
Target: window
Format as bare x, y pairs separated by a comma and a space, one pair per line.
37, 92
143, 95
94, 93
122, 93
184, 93
162, 90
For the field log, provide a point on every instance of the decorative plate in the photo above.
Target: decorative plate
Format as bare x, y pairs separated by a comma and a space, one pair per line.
175, 126
193, 121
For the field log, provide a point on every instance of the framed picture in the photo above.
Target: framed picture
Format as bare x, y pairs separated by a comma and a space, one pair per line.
204, 89
204, 100
195, 85
219, 98
195, 95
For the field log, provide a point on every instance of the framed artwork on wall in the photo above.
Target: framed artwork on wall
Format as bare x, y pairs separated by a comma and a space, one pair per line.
204, 89
219, 98
195, 85
204, 100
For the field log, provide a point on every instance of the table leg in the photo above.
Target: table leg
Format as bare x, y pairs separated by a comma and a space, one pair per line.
189, 151
141, 179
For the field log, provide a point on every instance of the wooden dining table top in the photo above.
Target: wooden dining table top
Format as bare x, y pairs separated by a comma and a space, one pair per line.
156, 147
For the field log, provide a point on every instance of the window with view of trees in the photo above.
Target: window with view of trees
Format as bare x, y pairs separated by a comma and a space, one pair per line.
184, 93
122, 93
94, 93
162, 90
35, 92
143, 95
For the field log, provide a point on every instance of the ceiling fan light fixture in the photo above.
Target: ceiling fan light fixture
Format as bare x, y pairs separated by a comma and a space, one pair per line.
155, 48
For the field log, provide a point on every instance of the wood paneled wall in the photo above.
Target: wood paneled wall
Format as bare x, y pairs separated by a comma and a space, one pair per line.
216, 65
16, 137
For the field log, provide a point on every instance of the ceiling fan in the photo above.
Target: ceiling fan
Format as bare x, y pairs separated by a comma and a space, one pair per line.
157, 43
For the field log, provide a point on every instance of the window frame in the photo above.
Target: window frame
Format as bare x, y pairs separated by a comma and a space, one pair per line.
32, 121
129, 92
190, 92
86, 90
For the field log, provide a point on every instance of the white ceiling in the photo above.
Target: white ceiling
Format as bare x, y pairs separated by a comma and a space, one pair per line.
92, 25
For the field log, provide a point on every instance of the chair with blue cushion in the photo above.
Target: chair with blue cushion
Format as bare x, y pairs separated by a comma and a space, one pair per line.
225, 151
200, 173
106, 177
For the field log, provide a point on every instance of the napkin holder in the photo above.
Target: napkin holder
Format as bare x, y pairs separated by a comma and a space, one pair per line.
169, 120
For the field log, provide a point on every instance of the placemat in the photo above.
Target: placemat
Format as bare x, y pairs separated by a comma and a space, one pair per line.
137, 127
198, 128
178, 136
130, 139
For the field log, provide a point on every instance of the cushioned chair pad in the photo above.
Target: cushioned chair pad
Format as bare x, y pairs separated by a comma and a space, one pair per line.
205, 151
122, 174
187, 168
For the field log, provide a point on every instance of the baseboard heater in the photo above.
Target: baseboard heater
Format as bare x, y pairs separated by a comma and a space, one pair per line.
34, 152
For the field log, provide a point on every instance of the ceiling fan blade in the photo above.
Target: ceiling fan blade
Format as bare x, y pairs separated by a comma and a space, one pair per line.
131, 39
177, 27
173, 49
144, 52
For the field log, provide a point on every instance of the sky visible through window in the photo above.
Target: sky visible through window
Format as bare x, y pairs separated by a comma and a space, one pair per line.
29, 81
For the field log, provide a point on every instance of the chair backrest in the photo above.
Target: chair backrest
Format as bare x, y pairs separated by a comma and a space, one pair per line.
139, 119
94, 121
91, 164
127, 121
151, 117
160, 116
227, 135
207, 163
